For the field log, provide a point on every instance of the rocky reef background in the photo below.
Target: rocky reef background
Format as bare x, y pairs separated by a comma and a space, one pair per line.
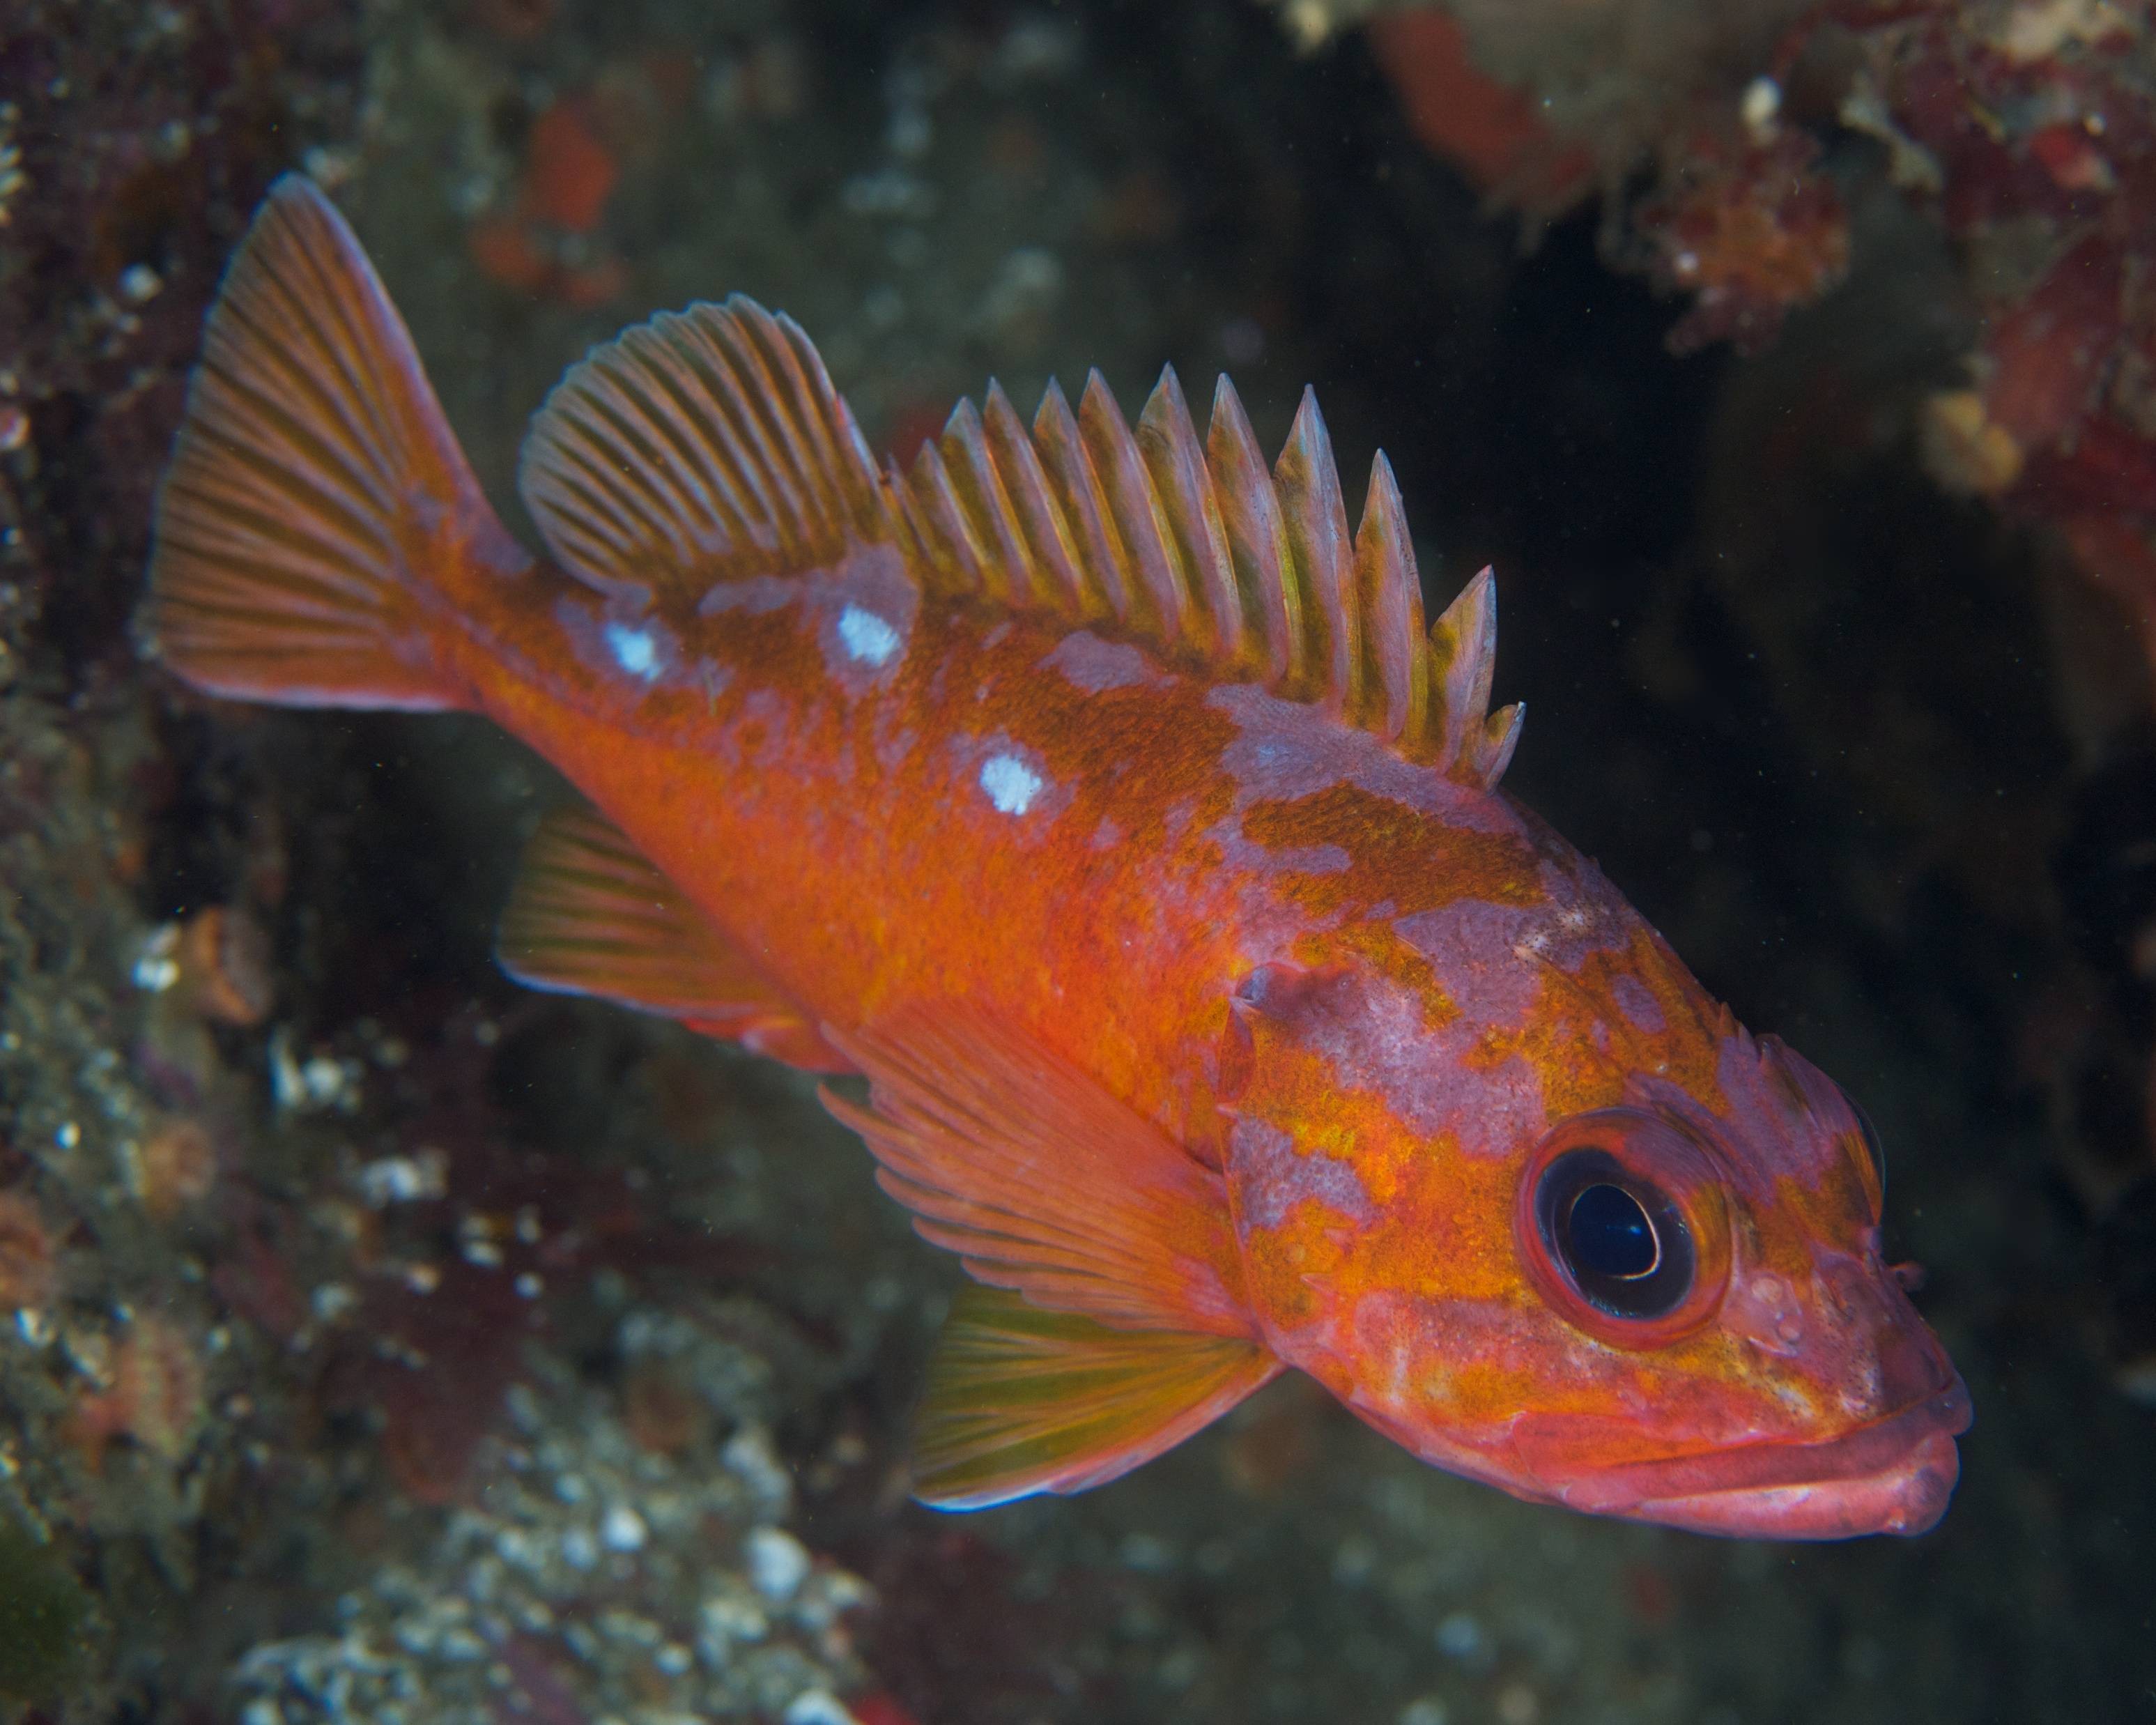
379, 1342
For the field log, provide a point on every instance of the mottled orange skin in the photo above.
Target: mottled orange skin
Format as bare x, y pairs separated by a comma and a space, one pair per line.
1363, 991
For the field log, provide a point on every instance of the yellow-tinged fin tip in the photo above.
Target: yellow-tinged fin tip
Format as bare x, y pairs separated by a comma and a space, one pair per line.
1021, 1400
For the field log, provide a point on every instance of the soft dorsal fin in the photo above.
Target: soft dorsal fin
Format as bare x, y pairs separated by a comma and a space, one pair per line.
703, 445
589, 915
709, 445
1020, 1400
1196, 552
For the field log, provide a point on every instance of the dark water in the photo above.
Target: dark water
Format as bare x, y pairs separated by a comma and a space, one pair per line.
395, 1345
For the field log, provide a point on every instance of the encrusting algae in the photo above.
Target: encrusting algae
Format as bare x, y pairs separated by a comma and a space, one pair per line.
1099, 797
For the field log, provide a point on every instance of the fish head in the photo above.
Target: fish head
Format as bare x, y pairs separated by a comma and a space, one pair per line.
1726, 1348
1665, 1302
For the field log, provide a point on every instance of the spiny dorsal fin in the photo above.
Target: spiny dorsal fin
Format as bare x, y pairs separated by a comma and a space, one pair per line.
703, 445
1192, 549
709, 445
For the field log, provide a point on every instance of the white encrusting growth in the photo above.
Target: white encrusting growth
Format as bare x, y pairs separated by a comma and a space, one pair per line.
1010, 783
867, 636
634, 650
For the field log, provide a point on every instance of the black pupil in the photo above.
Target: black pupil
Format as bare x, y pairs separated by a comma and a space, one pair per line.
1610, 1234
1620, 1239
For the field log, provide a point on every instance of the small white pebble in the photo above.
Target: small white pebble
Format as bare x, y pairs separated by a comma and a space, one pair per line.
158, 965
1762, 104
579, 1550
69, 1136
818, 1706
332, 1299
777, 1564
622, 1529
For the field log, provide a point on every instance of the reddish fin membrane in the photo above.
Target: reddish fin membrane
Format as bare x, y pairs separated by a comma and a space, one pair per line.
1021, 1401
1039, 1179
589, 915
315, 485
704, 445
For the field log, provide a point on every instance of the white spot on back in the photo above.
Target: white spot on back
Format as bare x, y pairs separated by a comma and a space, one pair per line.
866, 635
634, 650
1010, 783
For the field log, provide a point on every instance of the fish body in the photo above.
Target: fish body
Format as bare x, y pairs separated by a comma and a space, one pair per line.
1103, 801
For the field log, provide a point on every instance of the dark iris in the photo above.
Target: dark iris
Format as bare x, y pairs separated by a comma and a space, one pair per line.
1610, 1234
1619, 1238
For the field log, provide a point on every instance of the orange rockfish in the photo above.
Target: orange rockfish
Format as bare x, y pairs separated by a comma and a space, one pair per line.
1097, 795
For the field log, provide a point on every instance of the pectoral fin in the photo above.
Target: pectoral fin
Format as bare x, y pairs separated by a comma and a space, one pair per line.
590, 915
1021, 1400
1114, 1324
1039, 1177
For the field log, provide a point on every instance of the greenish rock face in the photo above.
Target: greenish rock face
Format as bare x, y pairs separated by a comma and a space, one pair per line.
43, 1610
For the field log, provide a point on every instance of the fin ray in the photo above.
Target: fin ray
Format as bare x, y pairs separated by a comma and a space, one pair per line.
1026, 1166
699, 446
589, 915
1195, 551
1021, 1401
313, 485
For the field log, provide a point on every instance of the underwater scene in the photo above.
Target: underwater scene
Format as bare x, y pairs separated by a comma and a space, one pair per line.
778, 944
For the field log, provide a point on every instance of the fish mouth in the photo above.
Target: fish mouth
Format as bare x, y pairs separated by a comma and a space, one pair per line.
1892, 1475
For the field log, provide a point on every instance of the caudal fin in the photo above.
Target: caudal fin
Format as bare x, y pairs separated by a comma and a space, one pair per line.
315, 487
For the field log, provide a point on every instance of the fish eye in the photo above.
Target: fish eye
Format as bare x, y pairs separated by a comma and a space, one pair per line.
1620, 1241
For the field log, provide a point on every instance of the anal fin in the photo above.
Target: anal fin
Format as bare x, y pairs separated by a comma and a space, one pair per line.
589, 915
1021, 1400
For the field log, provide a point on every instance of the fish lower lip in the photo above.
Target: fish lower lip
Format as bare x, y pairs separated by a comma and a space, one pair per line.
1893, 1475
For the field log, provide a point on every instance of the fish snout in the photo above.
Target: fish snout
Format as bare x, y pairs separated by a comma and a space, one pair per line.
1875, 1352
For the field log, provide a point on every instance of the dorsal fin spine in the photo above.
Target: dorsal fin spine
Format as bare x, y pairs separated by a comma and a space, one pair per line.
1069, 467
1257, 541
1462, 642
980, 491
1167, 442
941, 520
1501, 736
1315, 516
1135, 512
1397, 666
1057, 565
